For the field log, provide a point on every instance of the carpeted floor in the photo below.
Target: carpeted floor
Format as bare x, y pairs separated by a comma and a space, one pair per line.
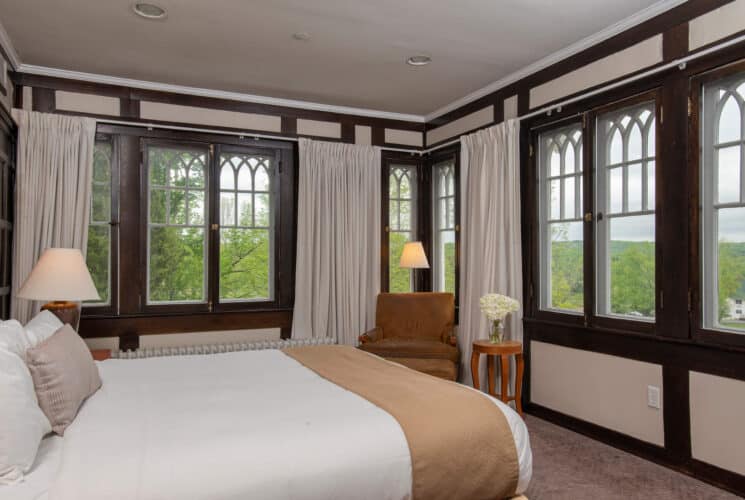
569, 466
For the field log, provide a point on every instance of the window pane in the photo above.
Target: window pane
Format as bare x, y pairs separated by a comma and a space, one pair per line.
728, 161
176, 264
567, 260
632, 266
246, 272
445, 264
731, 268
729, 121
245, 264
227, 177
98, 259
625, 183
555, 163
399, 279
561, 243
101, 202
176, 233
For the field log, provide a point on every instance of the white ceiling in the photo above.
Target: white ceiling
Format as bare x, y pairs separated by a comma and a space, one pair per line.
356, 55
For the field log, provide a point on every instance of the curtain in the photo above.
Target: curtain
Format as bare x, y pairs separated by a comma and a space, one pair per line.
491, 255
53, 191
338, 247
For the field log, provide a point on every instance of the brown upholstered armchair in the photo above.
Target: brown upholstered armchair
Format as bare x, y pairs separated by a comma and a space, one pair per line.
416, 330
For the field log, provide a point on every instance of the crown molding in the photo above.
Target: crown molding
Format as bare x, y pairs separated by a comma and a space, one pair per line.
218, 94
7, 44
639, 17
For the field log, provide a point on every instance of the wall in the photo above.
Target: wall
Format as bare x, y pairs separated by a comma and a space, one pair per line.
594, 378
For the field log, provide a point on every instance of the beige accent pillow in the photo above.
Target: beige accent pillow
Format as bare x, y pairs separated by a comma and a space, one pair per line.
64, 376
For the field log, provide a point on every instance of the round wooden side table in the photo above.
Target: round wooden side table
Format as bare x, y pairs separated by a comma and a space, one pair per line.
503, 351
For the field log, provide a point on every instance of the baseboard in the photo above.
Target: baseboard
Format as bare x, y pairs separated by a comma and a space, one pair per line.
721, 478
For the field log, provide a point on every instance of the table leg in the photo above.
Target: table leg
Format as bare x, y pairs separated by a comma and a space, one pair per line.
475, 370
519, 383
490, 363
505, 377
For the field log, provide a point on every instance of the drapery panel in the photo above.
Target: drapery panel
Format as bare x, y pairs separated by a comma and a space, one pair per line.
53, 191
491, 250
338, 243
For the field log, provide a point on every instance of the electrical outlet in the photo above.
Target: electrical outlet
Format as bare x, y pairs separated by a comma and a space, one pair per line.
653, 396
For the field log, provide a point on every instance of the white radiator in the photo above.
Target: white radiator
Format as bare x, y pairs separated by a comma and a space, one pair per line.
152, 352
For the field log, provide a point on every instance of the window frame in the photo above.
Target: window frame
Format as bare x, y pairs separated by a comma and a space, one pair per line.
420, 277
437, 157
590, 318
112, 308
699, 332
282, 293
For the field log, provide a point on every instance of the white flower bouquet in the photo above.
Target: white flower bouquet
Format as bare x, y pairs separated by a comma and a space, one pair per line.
496, 307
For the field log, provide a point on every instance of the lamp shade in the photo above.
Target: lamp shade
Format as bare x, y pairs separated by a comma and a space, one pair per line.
60, 274
413, 256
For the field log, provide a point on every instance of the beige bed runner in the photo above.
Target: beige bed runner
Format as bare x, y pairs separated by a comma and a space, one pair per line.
460, 443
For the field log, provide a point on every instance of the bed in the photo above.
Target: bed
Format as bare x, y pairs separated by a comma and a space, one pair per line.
252, 424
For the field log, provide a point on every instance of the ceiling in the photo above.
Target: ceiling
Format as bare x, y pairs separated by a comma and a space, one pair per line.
355, 57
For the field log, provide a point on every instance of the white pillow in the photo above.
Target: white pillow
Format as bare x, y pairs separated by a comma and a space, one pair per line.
41, 327
22, 423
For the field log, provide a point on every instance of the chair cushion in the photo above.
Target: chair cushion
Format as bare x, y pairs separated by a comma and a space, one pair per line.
423, 315
412, 348
441, 368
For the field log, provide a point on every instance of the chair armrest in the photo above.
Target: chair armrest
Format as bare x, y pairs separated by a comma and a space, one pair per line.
370, 336
449, 338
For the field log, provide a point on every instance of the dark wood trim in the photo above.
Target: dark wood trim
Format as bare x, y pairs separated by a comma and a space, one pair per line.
721, 478
675, 42
154, 324
43, 100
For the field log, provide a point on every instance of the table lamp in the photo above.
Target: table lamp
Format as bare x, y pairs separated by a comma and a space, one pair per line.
61, 276
413, 256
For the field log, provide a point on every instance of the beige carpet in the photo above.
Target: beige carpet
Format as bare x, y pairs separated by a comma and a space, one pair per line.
569, 466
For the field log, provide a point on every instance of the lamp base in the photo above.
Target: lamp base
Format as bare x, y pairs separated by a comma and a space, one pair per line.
67, 312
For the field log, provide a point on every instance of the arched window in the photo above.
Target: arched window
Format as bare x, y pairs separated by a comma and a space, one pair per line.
401, 223
445, 231
561, 192
98, 252
625, 212
723, 203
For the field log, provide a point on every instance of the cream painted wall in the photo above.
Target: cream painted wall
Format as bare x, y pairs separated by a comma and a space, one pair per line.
206, 117
717, 24
319, 128
87, 103
404, 137
606, 390
624, 62
464, 124
717, 420
362, 135
510, 107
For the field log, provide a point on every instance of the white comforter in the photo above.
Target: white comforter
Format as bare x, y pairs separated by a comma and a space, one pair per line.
246, 425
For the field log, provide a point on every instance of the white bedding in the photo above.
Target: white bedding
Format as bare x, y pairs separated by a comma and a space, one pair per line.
161, 428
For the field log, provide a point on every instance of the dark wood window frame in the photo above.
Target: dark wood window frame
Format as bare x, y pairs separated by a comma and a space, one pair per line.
588, 119
424, 279
7, 189
698, 331
129, 144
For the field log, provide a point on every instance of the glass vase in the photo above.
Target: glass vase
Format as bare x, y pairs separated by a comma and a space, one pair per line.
496, 335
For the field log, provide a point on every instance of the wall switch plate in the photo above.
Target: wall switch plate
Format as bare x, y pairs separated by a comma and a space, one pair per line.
653, 396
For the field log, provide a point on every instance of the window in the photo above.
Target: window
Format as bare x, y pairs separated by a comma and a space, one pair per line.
625, 208
101, 226
246, 222
560, 223
444, 254
212, 222
401, 223
177, 226
723, 202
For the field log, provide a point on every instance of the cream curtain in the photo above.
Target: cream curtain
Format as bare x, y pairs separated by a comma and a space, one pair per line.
491, 255
53, 190
338, 247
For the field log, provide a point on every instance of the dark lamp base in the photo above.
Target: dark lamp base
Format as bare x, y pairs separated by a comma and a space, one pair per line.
67, 312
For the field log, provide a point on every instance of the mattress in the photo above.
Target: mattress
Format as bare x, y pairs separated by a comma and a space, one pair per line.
235, 425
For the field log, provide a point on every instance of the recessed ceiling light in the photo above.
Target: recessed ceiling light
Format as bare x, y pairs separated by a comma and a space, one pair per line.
301, 35
418, 60
149, 11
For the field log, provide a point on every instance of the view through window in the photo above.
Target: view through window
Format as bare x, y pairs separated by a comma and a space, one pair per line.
98, 250
401, 224
723, 203
444, 226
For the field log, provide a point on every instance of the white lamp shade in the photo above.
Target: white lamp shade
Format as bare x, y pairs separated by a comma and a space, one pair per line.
60, 274
413, 256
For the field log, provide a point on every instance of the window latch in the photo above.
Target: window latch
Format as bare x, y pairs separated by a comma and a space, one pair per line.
215, 227
588, 217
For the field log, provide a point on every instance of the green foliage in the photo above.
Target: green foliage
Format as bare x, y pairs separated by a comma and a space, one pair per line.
731, 277
449, 267
97, 258
399, 279
567, 281
244, 263
177, 264
632, 276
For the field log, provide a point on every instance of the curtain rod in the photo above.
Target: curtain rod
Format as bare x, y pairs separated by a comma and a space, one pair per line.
680, 63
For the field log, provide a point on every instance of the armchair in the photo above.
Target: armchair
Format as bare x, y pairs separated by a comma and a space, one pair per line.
416, 330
